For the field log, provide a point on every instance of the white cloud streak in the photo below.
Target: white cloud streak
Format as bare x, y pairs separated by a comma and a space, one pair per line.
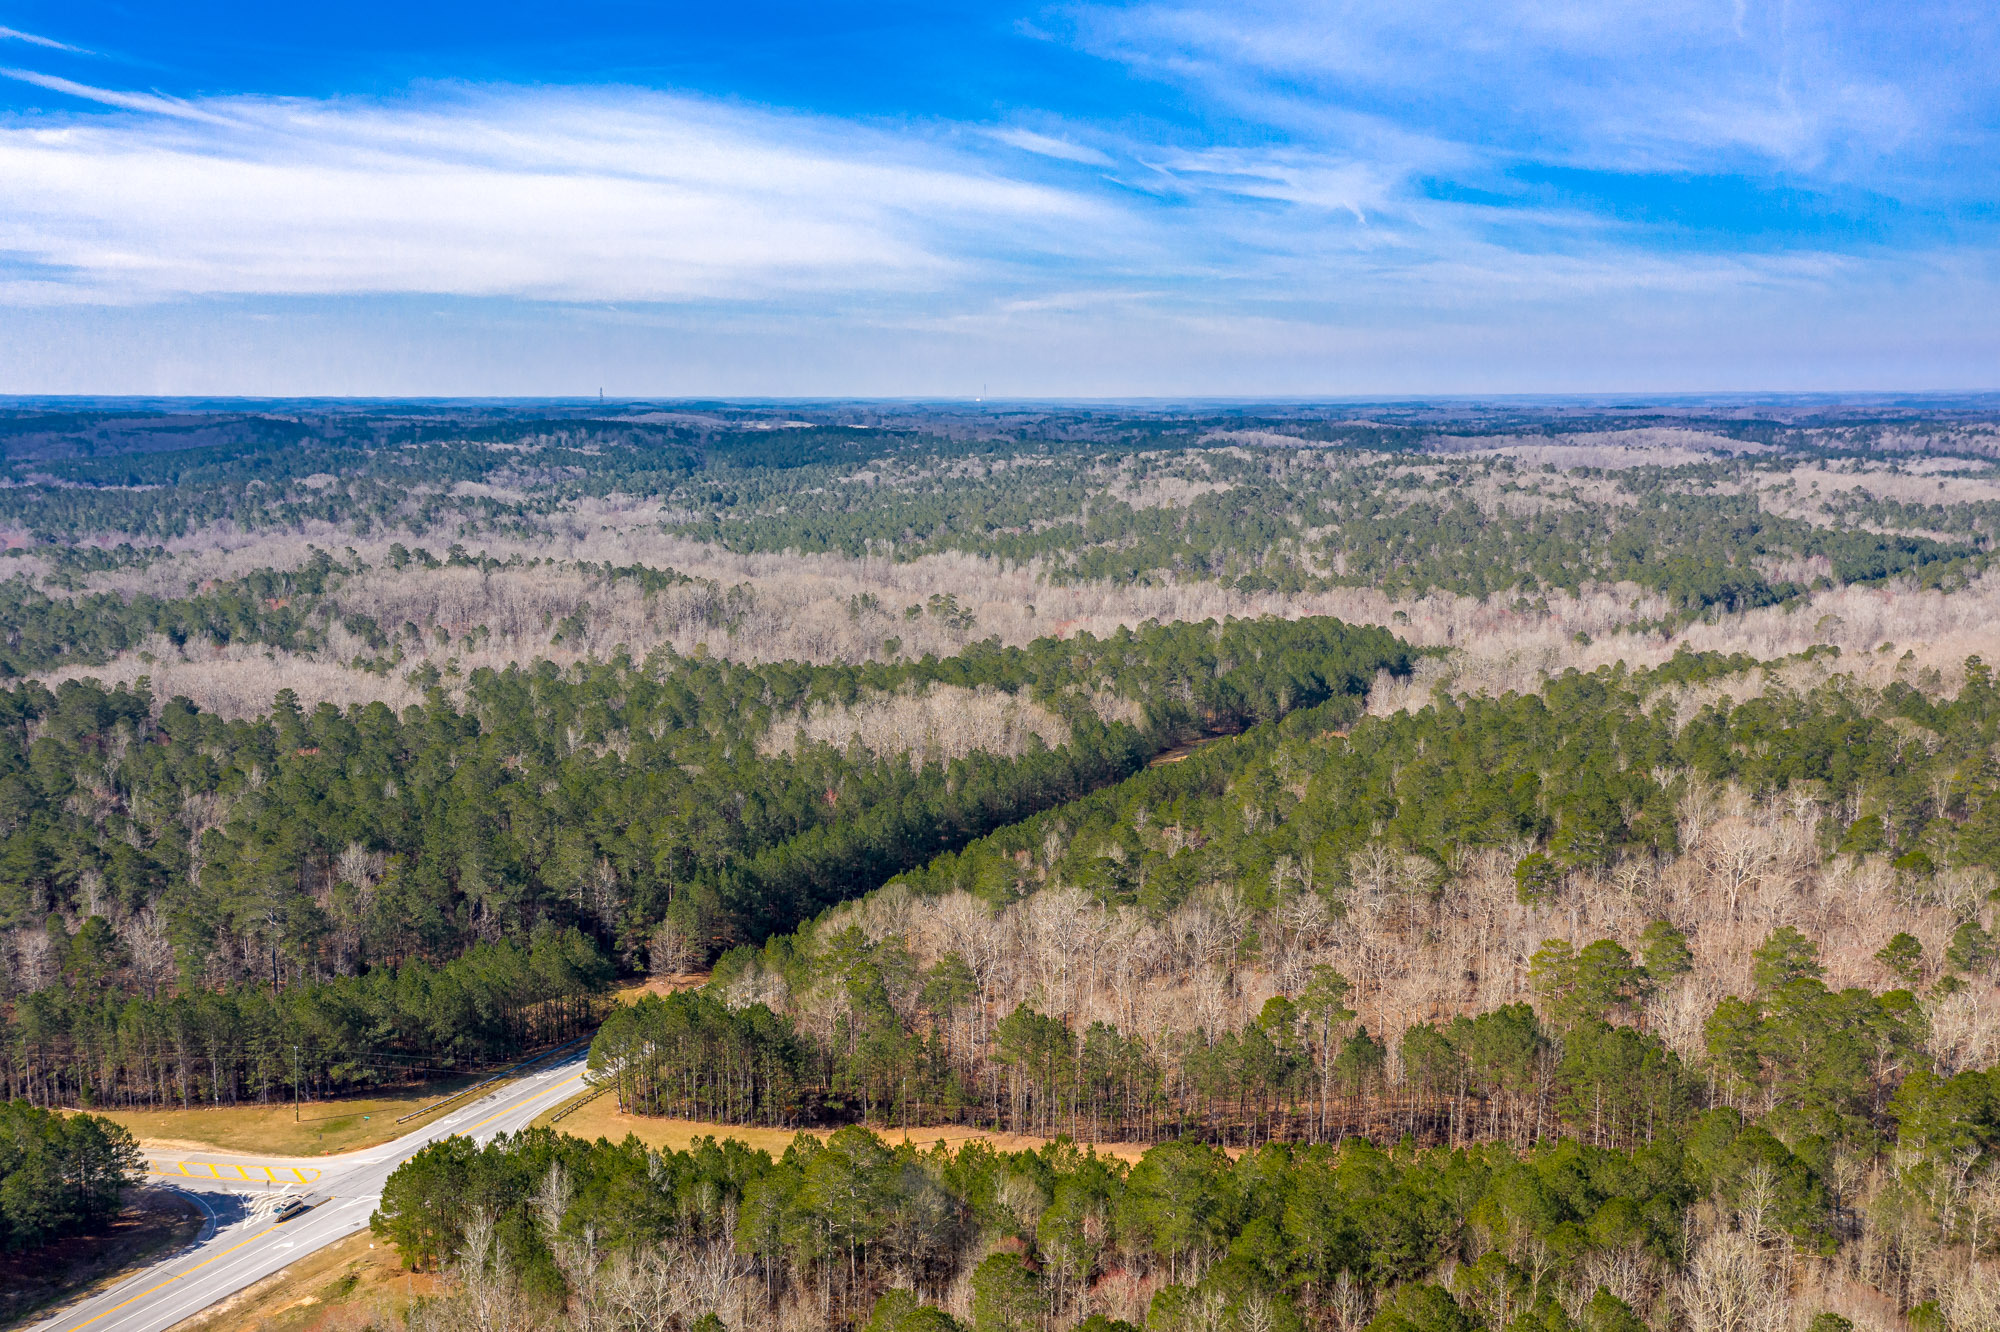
150, 103
47, 43
1044, 145
795, 237
607, 196
1812, 85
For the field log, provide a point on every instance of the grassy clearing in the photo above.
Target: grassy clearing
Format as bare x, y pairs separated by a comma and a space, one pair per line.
153, 1223
322, 1128
357, 1282
602, 1119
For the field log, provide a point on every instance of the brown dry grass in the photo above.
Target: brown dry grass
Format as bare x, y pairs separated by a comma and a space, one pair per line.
603, 1119
324, 1128
659, 985
354, 1283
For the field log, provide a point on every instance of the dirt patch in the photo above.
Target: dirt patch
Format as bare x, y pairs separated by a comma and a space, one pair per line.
660, 985
153, 1222
1180, 752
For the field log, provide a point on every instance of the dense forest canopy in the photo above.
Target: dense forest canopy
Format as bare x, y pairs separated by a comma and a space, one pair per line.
1729, 522
324, 852
996, 986
1517, 866
59, 1174
1274, 843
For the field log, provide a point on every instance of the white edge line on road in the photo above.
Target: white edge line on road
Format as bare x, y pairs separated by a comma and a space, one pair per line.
211, 1224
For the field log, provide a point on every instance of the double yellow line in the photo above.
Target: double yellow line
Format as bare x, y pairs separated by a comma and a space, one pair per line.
512, 1108
177, 1276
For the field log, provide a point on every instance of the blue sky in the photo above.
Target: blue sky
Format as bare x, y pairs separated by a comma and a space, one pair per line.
1171, 199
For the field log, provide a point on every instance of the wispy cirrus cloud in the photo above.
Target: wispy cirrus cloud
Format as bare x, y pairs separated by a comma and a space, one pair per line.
1047, 145
152, 104
33, 39
626, 195
605, 195
1825, 87
1327, 177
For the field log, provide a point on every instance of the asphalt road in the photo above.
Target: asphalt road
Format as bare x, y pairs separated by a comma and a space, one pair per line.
241, 1243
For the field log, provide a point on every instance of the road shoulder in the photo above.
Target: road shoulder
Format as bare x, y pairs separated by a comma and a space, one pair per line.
359, 1278
154, 1224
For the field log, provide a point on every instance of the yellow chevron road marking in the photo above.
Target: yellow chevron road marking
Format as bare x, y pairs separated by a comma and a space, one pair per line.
233, 1172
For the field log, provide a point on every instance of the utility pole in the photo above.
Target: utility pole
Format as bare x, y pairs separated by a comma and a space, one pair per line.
295, 1084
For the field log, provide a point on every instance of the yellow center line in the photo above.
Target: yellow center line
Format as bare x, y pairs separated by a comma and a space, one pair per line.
179, 1275
516, 1106
268, 1229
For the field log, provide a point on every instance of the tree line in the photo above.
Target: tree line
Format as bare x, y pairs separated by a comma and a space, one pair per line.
1590, 771
152, 854
850, 1018
854, 1231
1297, 523
1810, 1060
1581, 1180
204, 1047
60, 1174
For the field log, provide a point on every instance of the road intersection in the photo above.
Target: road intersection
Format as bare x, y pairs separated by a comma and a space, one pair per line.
241, 1241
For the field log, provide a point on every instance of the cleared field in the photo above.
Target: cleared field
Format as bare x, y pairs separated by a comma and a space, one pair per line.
602, 1119
358, 1282
153, 1223
322, 1129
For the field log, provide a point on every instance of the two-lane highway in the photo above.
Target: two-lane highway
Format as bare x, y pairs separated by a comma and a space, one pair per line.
242, 1242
